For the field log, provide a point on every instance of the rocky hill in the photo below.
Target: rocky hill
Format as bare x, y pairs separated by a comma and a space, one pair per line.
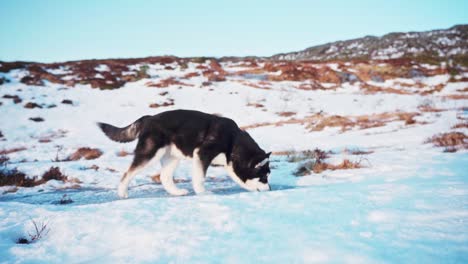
436, 44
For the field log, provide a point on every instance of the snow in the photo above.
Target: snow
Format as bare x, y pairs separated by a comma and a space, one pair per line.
408, 202
446, 41
59, 70
102, 68
99, 76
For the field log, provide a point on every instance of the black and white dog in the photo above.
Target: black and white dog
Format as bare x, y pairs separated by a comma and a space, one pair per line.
206, 139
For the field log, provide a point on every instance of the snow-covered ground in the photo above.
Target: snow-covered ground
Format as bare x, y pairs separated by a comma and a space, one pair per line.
408, 204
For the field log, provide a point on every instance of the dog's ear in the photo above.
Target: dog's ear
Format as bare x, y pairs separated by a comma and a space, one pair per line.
263, 162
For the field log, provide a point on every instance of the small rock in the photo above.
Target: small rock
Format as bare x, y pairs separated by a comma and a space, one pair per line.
31, 105
36, 119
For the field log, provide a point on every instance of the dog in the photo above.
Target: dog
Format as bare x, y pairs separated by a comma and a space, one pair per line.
207, 139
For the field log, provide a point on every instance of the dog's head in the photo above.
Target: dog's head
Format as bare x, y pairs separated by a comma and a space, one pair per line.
251, 165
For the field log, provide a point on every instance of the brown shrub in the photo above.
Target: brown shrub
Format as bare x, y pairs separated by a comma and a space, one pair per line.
16, 99
17, 178
86, 153
31, 105
53, 173
451, 141
460, 125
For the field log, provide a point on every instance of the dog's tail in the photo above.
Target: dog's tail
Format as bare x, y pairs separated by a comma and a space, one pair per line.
124, 134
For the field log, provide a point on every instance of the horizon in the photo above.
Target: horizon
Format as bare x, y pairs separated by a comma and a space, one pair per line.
53, 31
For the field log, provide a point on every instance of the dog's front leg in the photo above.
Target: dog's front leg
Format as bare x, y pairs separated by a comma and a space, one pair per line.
198, 174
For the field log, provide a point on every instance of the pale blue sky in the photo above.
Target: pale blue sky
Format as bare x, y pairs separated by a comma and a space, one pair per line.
53, 30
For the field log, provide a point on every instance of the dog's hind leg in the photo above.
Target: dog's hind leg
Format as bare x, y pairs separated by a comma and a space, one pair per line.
122, 190
147, 150
169, 164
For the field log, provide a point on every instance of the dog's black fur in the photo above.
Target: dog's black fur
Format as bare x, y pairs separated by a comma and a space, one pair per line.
189, 130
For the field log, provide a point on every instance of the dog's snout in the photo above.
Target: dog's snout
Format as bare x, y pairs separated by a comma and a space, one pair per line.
264, 188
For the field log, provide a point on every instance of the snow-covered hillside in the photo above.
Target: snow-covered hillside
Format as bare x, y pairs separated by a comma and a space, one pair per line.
406, 199
444, 43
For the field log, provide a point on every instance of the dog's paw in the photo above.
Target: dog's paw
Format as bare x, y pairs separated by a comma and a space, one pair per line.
179, 192
122, 192
199, 189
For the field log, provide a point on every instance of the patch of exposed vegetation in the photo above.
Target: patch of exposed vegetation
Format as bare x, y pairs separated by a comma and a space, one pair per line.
16, 99
40, 231
170, 102
85, 153
32, 105
451, 141
460, 125
315, 162
14, 177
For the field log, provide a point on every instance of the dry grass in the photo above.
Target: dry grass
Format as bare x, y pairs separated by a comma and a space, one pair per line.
170, 102
451, 141
286, 114
86, 153
256, 105
318, 167
259, 85
318, 122
315, 162
456, 96
15, 177
371, 89
50, 136
167, 82
460, 125
40, 231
